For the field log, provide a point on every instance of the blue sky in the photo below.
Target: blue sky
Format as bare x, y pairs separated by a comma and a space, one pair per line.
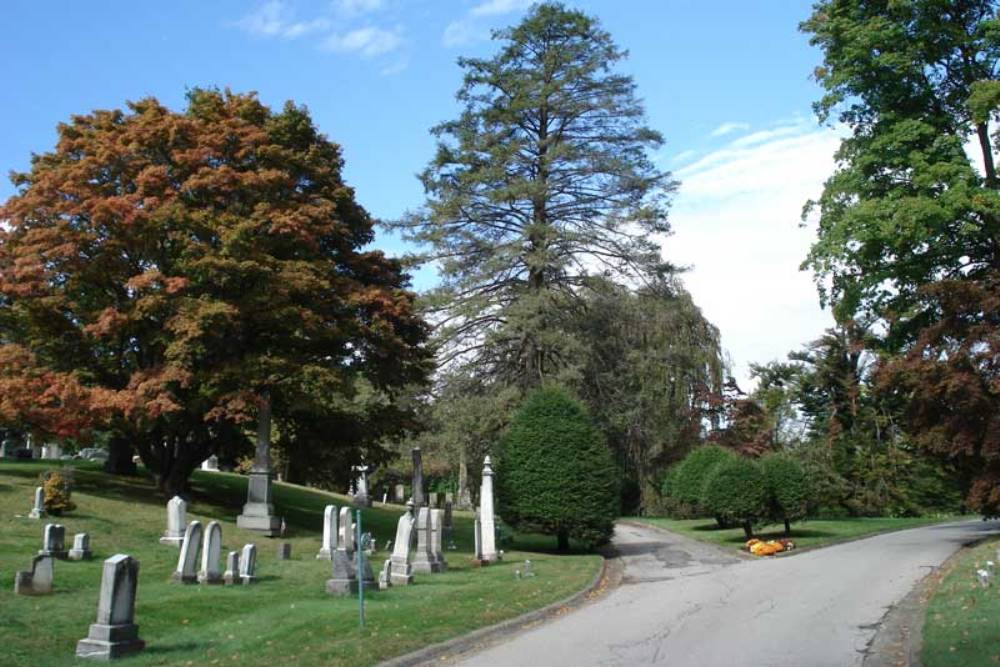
727, 83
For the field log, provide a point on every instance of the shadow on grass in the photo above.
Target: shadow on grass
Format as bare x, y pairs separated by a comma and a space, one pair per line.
159, 648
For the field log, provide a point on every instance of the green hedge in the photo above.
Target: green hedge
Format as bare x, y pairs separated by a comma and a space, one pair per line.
736, 491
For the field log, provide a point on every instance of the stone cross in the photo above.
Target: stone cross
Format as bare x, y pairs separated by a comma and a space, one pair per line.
187, 563
329, 544
53, 541
37, 581
38, 511
232, 574
115, 633
248, 564
361, 497
176, 522
401, 567
418, 478
486, 516
81, 547
437, 520
211, 552
424, 560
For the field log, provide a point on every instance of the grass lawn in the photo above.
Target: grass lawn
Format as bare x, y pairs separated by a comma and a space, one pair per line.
811, 533
962, 625
287, 617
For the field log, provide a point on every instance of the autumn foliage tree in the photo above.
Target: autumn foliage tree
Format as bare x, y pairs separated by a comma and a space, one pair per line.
174, 273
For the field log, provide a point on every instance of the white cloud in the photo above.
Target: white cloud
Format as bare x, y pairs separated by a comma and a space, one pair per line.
459, 33
474, 26
496, 7
367, 42
728, 128
355, 7
683, 156
274, 19
736, 220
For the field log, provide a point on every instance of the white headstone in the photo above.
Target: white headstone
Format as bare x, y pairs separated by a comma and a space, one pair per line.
232, 574
248, 564
114, 634
486, 516
81, 547
53, 541
176, 522
211, 552
345, 540
38, 511
401, 567
187, 562
329, 533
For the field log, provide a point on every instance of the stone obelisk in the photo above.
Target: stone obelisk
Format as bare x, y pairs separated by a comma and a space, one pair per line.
258, 513
486, 517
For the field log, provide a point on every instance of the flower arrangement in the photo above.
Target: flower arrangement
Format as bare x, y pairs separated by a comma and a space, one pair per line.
769, 548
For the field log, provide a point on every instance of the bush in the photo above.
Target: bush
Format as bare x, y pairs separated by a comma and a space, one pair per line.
788, 488
556, 474
57, 488
736, 491
686, 481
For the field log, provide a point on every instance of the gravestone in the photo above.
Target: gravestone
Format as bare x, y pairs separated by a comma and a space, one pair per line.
284, 551
81, 547
187, 562
384, 575
486, 517
176, 522
434, 499
361, 497
418, 478
51, 452
258, 512
423, 560
401, 567
437, 521
449, 498
232, 574
344, 578
211, 464
38, 511
329, 533
115, 633
399, 494
53, 541
211, 552
448, 528
248, 564
477, 532
37, 581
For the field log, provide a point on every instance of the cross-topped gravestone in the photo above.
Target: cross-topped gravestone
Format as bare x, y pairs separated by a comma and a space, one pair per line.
115, 633
176, 522
187, 562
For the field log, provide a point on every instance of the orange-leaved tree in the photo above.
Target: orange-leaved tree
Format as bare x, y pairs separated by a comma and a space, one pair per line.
183, 274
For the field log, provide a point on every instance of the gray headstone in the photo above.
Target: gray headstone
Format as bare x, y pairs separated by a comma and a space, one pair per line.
400, 494
437, 523
477, 529
176, 522
344, 578
54, 541
248, 564
38, 510
187, 562
419, 500
81, 547
329, 544
38, 580
345, 537
360, 497
211, 553
284, 551
232, 574
115, 634
258, 512
401, 571
423, 560
434, 499
384, 576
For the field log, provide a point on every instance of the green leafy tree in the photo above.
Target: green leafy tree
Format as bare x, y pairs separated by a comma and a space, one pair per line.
556, 474
542, 182
788, 488
688, 478
737, 491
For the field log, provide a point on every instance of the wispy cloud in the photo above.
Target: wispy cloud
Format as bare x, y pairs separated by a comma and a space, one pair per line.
475, 24
736, 221
368, 42
728, 128
355, 7
275, 19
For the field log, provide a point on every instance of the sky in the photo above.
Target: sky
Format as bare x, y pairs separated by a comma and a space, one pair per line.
727, 83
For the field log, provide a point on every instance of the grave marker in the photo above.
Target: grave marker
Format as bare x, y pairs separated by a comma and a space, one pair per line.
115, 633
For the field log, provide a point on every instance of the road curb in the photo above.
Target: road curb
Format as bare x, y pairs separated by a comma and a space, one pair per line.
606, 579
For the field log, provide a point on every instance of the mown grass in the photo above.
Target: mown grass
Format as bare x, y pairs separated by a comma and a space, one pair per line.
805, 534
287, 617
962, 622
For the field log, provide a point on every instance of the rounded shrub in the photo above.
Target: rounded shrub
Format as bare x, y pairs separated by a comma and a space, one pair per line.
737, 492
687, 479
556, 474
57, 489
788, 488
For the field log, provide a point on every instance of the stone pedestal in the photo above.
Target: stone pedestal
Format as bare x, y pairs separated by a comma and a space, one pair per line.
114, 635
344, 580
258, 512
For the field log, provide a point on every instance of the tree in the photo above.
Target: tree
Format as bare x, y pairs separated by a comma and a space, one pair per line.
788, 488
197, 271
556, 474
688, 478
541, 183
737, 491
906, 206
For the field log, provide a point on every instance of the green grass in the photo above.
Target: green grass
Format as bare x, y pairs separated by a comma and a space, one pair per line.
811, 533
962, 623
287, 617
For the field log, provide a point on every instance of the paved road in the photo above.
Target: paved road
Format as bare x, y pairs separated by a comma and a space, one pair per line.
685, 603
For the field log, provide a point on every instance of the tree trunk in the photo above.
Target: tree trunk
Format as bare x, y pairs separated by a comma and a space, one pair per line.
987, 149
120, 452
748, 529
563, 539
788, 527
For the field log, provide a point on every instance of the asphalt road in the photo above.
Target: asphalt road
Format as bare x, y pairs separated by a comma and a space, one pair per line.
685, 603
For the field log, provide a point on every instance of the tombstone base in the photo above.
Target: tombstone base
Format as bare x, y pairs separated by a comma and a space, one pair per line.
361, 501
36, 514
210, 579
426, 566
61, 555
173, 540
480, 562
80, 554
268, 524
229, 579
246, 580
324, 554
109, 642
341, 586
178, 578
